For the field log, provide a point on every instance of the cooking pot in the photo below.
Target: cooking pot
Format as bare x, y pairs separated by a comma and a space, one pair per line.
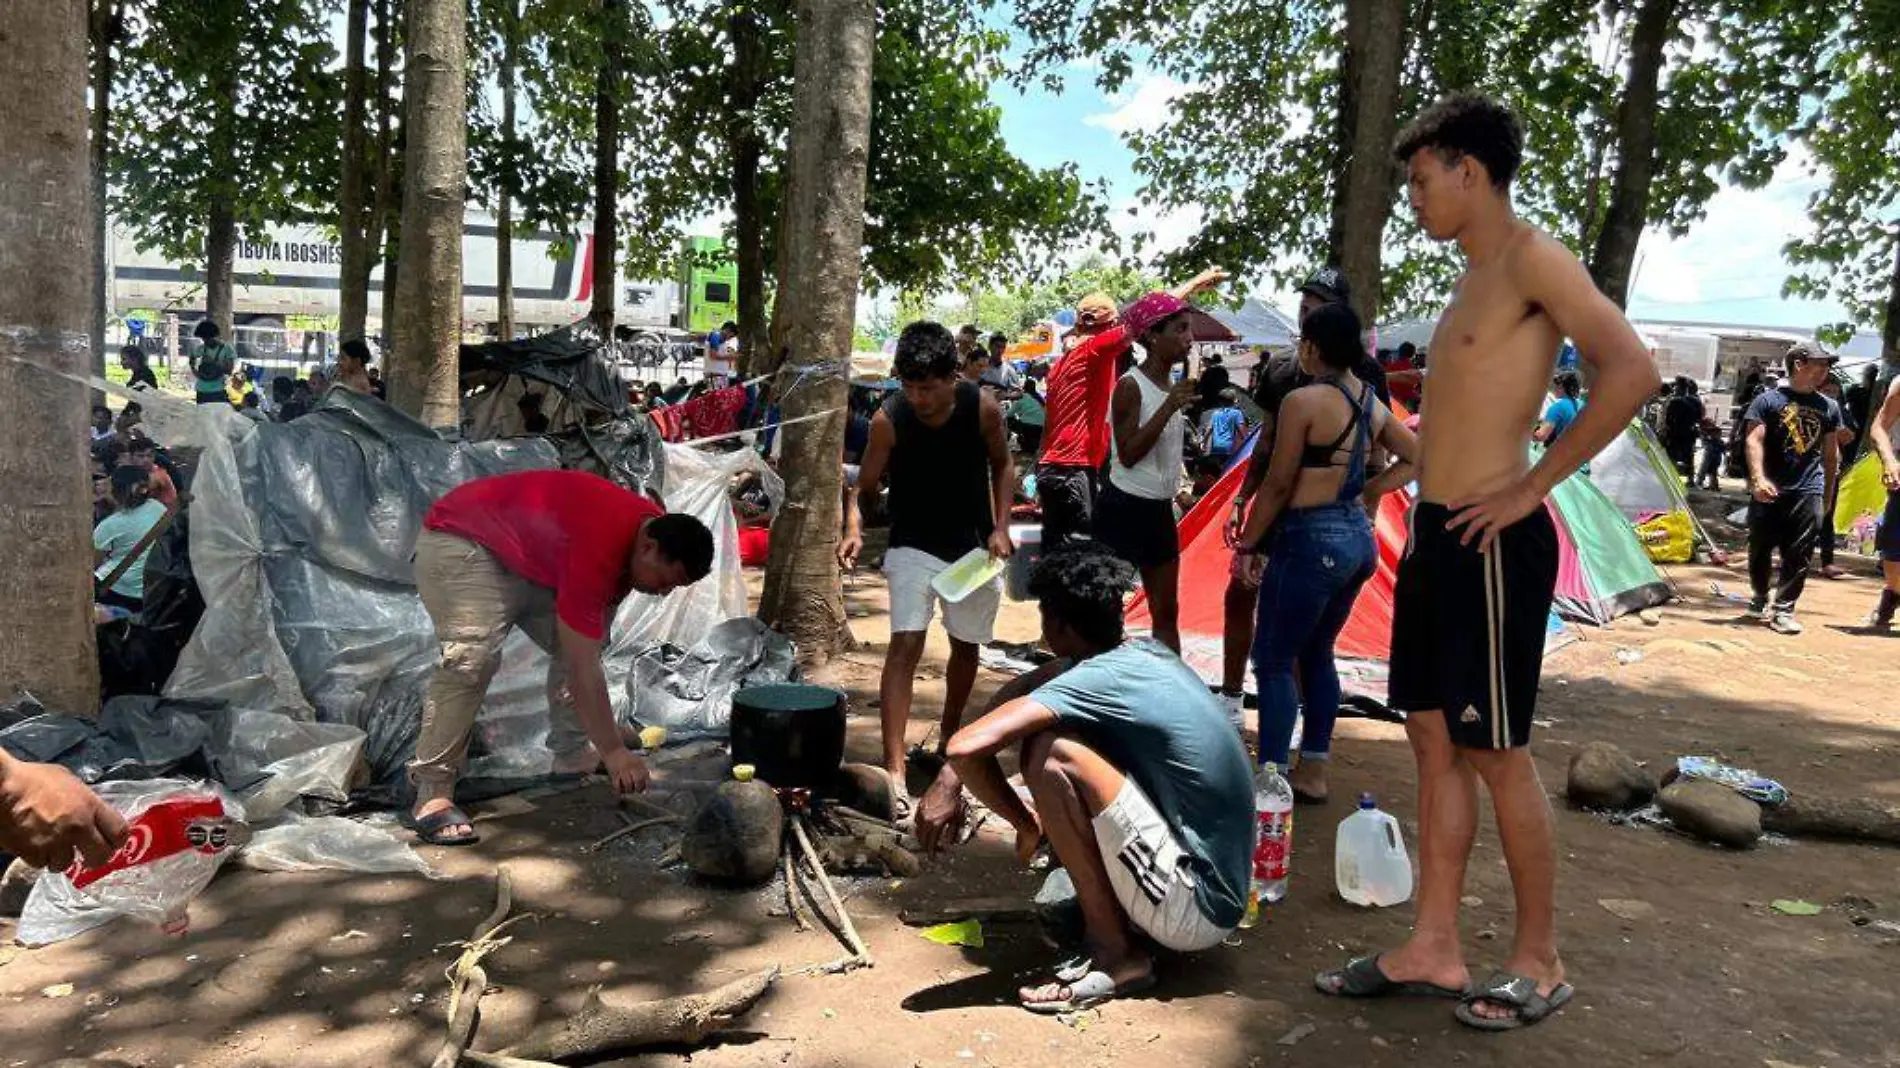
791, 733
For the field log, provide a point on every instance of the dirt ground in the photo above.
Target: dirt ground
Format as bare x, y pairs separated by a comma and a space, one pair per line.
332, 969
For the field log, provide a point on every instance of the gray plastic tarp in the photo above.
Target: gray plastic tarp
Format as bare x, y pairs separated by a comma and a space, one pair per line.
302, 536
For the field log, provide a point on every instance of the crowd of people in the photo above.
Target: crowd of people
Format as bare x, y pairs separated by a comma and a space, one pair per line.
1136, 772
1137, 779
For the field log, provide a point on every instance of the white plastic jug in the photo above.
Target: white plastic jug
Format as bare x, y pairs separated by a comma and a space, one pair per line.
1369, 861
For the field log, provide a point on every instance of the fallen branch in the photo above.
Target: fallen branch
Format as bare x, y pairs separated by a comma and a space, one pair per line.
467, 979
1849, 819
792, 904
869, 852
860, 953
641, 804
847, 813
987, 909
496, 1060
599, 1028
630, 828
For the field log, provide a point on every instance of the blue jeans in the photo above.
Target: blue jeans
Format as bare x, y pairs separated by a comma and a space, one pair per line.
1318, 560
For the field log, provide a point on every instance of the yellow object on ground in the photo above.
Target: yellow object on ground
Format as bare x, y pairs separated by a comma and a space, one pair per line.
1668, 538
961, 933
743, 772
652, 737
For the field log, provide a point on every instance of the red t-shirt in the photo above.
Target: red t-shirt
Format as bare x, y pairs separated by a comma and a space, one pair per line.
1076, 397
1400, 378
569, 531
159, 487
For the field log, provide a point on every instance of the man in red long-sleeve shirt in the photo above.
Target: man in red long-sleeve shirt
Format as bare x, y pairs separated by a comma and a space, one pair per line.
1075, 423
554, 553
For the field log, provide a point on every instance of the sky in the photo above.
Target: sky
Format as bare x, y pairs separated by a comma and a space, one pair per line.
1727, 269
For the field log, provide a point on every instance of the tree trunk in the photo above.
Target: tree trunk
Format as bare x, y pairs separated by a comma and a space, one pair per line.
220, 264
352, 231
504, 209
606, 168
107, 23
383, 175
46, 303
425, 366
1363, 172
824, 225
1615, 252
745, 145
1890, 325
392, 238
778, 333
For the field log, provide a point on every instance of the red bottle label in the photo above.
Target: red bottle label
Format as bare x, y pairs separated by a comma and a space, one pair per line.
165, 829
1272, 845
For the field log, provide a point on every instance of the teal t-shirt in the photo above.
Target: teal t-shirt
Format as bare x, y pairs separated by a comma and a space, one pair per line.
1142, 708
219, 351
116, 534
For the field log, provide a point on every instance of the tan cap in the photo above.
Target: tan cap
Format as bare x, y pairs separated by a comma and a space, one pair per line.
1809, 350
1095, 312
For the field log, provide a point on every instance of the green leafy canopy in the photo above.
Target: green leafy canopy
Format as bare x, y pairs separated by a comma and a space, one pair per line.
179, 148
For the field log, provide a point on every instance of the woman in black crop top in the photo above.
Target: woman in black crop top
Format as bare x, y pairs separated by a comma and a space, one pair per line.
1309, 517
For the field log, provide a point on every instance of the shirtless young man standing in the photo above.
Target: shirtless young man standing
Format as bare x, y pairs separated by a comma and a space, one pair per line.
1474, 590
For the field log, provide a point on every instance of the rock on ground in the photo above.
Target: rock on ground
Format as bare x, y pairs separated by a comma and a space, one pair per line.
1604, 776
1712, 811
15, 885
868, 789
735, 837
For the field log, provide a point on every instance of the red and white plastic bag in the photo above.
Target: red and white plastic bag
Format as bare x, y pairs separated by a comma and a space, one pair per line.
178, 834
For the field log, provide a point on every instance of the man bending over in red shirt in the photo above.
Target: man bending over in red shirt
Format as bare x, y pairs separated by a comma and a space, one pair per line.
554, 553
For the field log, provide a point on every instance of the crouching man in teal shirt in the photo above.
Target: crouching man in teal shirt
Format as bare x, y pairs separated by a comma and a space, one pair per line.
1139, 785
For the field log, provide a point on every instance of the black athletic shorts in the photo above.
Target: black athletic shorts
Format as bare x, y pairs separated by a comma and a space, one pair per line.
1067, 496
1468, 628
1140, 530
1887, 541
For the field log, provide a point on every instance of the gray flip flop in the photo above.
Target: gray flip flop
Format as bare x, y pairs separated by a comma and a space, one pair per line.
1088, 991
1074, 968
1517, 991
1363, 978
431, 829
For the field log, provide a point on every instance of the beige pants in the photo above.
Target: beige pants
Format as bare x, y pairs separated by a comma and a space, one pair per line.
474, 601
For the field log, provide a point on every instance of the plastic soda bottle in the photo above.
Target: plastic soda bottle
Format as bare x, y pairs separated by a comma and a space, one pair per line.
1272, 841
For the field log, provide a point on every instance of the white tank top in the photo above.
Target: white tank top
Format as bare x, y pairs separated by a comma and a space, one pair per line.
1158, 476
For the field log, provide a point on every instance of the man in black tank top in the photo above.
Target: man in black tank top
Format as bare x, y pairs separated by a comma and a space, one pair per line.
943, 444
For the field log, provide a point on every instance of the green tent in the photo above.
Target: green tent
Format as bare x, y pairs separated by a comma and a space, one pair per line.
1602, 570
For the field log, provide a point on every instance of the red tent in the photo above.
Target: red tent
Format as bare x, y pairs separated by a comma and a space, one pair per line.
1205, 559
1365, 645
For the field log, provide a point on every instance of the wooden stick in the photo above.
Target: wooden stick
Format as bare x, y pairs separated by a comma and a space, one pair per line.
853, 814
467, 979
466, 1002
599, 1028
504, 900
792, 904
848, 930
630, 828
496, 1060
641, 804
